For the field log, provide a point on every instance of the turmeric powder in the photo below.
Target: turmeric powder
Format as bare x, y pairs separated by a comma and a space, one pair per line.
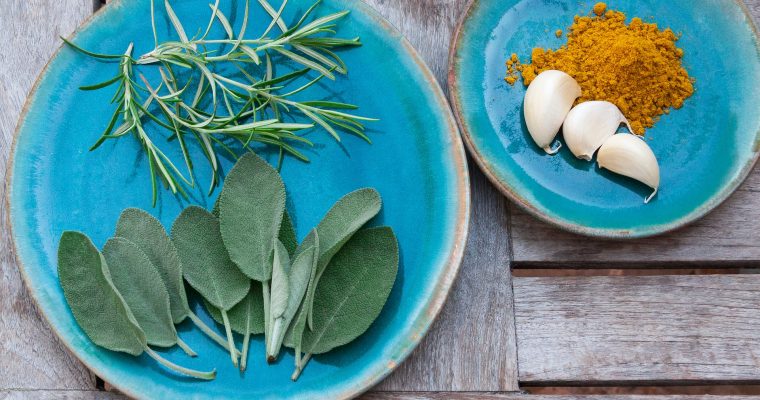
637, 66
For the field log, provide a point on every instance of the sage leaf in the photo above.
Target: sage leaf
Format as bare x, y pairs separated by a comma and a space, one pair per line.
346, 217
280, 268
352, 292
246, 318
295, 332
149, 235
140, 284
97, 306
280, 292
301, 271
207, 266
251, 206
287, 234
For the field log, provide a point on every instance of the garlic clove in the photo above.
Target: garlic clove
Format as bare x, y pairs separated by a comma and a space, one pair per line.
630, 156
588, 125
547, 102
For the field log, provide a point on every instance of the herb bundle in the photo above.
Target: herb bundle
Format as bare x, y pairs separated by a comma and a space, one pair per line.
197, 96
244, 260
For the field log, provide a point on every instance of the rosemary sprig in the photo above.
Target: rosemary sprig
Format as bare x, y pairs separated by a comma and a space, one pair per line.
219, 109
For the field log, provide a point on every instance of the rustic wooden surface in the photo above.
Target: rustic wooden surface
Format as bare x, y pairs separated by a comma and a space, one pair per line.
30, 355
648, 330
570, 330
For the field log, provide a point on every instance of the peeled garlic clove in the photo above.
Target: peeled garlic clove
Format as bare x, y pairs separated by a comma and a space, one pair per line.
547, 102
630, 156
590, 124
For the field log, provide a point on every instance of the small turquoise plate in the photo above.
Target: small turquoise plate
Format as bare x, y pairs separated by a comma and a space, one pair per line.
705, 149
416, 162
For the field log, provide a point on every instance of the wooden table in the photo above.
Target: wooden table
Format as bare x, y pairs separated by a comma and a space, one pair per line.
507, 324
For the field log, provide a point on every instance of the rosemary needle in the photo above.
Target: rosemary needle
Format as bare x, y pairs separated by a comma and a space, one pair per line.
219, 110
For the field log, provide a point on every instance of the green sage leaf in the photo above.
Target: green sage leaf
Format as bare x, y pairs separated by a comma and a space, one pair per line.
279, 288
297, 325
287, 234
206, 265
140, 284
353, 290
346, 217
247, 316
150, 236
251, 206
97, 306
301, 272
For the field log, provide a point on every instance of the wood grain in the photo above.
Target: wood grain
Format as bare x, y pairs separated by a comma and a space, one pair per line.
30, 355
726, 237
472, 344
59, 395
638, 330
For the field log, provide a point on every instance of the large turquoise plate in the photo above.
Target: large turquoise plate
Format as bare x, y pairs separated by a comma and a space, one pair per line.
705, 149
416, 162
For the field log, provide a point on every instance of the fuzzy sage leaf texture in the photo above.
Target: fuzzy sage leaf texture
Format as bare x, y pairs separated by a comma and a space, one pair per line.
278, 302
140, 284
247, 316
97, 306
302, 270
251, 206
348, 214
287, 234
298, 323
206, 265
353, 290
150, 236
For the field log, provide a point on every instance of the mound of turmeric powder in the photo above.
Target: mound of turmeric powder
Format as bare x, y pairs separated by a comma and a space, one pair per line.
636, 66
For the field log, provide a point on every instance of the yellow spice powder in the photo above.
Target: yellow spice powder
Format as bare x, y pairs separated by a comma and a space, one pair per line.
636, 66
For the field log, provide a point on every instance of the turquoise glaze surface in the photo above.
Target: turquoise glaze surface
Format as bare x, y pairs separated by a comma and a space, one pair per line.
705, 149
416, 162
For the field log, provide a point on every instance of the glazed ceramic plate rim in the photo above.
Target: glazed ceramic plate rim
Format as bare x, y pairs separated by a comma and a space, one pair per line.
448, 269
513, 194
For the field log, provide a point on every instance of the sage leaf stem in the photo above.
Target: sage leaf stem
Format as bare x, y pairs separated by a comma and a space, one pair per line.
230, 340
210, 375
210, 333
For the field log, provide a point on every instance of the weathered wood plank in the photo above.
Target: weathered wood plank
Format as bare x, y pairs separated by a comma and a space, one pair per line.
471, 346
30, 355
59, 395
519, 396
636, 330
728, 236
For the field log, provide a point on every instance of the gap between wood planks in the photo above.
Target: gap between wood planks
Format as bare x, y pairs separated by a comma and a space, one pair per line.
698, 390
616, 270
